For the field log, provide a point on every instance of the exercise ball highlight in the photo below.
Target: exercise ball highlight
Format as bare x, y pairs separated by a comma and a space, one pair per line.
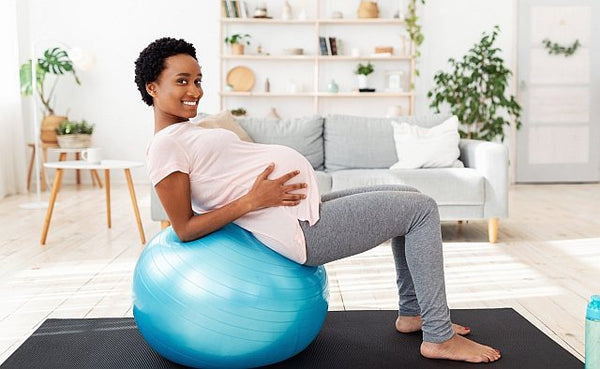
226, 300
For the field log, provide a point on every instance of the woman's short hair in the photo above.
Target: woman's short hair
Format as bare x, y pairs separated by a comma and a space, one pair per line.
151, 62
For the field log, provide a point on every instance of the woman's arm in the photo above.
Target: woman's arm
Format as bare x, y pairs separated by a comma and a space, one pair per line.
175, 195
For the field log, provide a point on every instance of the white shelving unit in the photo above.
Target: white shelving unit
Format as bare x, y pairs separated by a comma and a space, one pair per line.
311, 72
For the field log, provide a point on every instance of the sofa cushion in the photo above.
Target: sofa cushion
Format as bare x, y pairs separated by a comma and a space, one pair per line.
363, 142
323, 181
447, 186
420, 147
223, 120
304, 135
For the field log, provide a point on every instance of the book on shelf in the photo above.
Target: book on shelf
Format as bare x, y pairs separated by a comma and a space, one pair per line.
235, 9
323, 45
333, 46
224, 10
244, 12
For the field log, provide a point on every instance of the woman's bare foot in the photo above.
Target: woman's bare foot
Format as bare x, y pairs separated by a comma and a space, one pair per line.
410, 324
459, 348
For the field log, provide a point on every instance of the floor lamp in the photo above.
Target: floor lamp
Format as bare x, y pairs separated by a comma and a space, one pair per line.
82, 60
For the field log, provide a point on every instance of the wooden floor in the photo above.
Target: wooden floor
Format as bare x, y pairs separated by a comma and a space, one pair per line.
546, 264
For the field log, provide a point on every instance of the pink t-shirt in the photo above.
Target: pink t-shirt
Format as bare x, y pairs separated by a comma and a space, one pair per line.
222, 168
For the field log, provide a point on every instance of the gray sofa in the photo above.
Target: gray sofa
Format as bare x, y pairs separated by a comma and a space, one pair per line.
349, 151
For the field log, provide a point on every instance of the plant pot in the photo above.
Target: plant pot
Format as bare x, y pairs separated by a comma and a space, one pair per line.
363, 81
48, 130
76, 141
237, 49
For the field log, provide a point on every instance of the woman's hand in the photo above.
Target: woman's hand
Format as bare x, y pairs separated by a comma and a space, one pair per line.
266, 192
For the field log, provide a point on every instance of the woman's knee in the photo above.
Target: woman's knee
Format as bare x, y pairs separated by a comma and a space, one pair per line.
427, 202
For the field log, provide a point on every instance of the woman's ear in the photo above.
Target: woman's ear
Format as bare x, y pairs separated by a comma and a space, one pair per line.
151, 89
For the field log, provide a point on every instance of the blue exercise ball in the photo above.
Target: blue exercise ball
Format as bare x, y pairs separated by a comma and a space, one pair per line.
226, 300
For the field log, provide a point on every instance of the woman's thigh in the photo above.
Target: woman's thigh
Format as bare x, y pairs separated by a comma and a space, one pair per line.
355, 223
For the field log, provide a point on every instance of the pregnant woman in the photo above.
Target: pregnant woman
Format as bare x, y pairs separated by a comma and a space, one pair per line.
207, 178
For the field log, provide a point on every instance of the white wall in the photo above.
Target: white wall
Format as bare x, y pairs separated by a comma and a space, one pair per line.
115, 31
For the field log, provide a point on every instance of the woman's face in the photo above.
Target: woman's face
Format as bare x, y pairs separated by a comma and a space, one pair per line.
177, 89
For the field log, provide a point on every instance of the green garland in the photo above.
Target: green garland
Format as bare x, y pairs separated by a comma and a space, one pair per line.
554, 48
414, 29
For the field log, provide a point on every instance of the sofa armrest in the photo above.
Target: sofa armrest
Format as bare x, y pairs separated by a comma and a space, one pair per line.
491, 160
157, 212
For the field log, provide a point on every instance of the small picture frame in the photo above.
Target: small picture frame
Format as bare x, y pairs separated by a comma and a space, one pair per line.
394, 80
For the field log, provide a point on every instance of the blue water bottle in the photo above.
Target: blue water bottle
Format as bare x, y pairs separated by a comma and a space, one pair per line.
592, 334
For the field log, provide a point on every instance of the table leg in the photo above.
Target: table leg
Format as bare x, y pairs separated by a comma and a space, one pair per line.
96, 177
107, 187
77, 172
61, 157
55, 188
136, 210
43, 183
31, 162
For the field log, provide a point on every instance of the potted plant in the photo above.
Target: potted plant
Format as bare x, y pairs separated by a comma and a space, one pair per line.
74, 134
56, 62
236, 42
362, 71
476, 91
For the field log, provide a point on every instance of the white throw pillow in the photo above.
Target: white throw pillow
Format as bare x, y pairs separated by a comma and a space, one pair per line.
420, 147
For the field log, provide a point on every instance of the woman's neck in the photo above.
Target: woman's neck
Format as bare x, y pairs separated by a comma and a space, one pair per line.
162, 120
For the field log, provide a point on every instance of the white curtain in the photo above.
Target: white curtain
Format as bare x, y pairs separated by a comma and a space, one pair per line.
12, 144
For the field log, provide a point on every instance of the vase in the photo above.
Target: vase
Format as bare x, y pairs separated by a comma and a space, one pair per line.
367, 9
333, 87
49, 125
286, 13
363, 81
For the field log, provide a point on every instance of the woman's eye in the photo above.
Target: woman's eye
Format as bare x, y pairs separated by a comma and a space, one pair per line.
198, 82
182, 81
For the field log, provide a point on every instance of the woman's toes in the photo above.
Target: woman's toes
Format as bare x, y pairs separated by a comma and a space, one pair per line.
459, 329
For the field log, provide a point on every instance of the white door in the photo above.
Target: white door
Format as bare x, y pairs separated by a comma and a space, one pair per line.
560, 137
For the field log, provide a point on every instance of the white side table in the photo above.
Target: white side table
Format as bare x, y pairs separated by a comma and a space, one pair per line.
62, 156
105, 165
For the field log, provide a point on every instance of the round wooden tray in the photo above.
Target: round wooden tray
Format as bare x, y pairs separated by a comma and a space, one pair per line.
240, 78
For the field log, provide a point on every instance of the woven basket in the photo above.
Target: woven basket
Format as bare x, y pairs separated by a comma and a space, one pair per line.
48, 129
368, 9
77, 141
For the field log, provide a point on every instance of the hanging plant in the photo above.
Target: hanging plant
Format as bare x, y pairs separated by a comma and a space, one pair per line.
476, 90
556, 49
414, 29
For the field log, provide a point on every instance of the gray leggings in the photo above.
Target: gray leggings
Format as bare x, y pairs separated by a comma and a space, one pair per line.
356, 220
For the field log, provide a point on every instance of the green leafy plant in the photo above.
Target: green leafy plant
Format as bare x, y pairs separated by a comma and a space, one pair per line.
239, 112
238, 38
414, 29
476, 91
55, 61
74, 127
556, 49
364, 69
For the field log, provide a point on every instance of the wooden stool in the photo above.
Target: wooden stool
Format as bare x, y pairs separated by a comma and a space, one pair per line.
62, 156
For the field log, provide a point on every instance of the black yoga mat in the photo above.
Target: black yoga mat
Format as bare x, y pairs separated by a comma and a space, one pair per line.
349, 339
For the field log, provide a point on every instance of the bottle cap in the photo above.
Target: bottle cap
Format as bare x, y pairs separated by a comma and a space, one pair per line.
593, 308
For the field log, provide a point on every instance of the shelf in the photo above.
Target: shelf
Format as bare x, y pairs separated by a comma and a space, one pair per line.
263, 21
319, 94
266, 94
369, 21
365, 94
312, 72
313, 57
270, 57
346, 57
